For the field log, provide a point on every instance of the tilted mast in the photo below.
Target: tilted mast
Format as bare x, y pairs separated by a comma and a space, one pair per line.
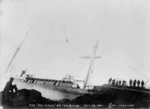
17, 51
90, 70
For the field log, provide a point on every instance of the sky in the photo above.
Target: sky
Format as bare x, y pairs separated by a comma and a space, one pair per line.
65, 30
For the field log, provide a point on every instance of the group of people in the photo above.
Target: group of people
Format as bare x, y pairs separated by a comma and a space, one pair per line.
132, 83
136, 83
117, 82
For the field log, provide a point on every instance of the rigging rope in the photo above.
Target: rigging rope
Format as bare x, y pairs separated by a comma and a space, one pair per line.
11, 61
132, 68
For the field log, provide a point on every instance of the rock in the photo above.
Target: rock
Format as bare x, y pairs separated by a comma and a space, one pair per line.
104, 98
25, 97
115, 96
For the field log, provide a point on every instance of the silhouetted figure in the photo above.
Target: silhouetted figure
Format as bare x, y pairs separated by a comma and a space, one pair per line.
119, 82
9, 91
78, 86
138, 83
109, 81
23, 72
123, 83
134, 83
142, 84
113, 82
130, 82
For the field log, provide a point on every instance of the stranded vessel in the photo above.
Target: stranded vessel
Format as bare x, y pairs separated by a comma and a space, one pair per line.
68, 88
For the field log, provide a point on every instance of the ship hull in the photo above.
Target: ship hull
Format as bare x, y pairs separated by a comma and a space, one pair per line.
50, 91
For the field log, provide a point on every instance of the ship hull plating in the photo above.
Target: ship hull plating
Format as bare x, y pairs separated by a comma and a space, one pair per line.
51, 91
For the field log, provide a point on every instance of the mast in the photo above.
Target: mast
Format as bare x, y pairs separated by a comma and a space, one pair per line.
90, 70
17, 50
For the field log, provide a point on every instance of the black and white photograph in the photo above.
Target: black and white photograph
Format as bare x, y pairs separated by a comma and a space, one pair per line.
74, 54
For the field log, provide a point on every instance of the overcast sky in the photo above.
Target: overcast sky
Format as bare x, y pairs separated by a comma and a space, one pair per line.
64, 30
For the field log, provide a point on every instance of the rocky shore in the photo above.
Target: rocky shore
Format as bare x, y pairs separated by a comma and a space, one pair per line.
25, 98
107, 98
